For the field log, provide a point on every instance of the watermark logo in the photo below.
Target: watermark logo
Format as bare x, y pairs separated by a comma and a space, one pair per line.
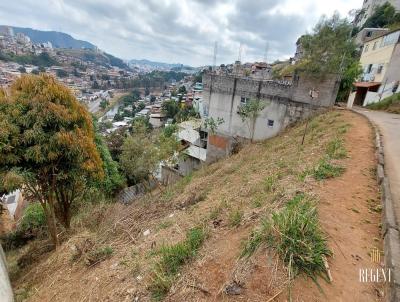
378, 273
376, 255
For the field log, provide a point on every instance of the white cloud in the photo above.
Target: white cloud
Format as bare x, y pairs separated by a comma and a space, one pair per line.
178, 30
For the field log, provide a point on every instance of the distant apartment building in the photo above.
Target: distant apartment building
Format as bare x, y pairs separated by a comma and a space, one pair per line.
380, 61
368, 8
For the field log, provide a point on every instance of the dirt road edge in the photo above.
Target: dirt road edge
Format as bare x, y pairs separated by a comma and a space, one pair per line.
390, 228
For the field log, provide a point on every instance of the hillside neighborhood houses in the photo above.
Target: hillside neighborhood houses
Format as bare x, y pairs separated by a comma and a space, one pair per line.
221, 95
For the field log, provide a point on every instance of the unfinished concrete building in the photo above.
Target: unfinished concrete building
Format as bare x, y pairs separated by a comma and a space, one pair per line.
285, 103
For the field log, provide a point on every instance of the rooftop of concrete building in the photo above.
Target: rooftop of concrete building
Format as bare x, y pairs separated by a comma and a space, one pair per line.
382, 34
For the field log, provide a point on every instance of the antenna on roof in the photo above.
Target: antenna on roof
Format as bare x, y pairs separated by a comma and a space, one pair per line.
266, 52
215, 55
240, 52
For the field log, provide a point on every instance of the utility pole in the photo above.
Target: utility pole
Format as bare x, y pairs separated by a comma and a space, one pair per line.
215, 55
313, 95
240, 52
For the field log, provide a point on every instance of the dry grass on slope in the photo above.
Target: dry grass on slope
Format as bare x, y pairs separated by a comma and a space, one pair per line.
112, 260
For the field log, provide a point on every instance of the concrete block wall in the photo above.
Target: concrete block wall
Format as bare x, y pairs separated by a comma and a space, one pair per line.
285, 102
327, 87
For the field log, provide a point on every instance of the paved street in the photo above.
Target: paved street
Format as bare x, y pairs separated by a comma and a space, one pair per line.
389, 124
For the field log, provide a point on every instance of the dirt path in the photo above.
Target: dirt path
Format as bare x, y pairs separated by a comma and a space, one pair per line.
389, 125
346, 216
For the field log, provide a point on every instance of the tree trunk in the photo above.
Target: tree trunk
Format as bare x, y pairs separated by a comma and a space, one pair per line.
66, 217
51, 222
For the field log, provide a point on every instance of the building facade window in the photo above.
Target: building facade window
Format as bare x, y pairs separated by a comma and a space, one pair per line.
380, 68
270, 123
375, 45
366, 47
243, 100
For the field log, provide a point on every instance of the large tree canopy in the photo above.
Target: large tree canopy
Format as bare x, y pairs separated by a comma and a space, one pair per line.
47, 145
329, 48
384, 16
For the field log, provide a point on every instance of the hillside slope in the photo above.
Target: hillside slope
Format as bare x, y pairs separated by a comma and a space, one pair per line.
57, 39
116, 250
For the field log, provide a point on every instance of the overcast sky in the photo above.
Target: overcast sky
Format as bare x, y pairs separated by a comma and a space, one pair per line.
181, 31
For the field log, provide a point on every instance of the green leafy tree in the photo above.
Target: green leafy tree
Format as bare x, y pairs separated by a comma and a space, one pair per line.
170, 108
142, 152
384, 16
127, 99
136, 94
182, 89
115, 141
47, 146
113, 181
103, 104
118, 117
170, 130
249, 113
352, 72
140, 106
212, 124
186, 113
329, 48
139, 156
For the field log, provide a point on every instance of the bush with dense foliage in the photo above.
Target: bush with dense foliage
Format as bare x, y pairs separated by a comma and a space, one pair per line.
47, 146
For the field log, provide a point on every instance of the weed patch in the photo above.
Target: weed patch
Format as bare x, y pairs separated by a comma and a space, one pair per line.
99, 254
325, 170
172, 258
336, 149
294, 232
235, 217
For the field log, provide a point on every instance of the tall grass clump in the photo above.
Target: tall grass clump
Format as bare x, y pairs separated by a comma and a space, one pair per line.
172, 258
325, 170
295, 233
336, 149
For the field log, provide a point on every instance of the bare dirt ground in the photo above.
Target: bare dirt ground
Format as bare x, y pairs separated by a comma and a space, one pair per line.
347, 208
347, 216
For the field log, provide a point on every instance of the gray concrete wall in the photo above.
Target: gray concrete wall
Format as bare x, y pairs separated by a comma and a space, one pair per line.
169, 175
188, 164
284, 102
